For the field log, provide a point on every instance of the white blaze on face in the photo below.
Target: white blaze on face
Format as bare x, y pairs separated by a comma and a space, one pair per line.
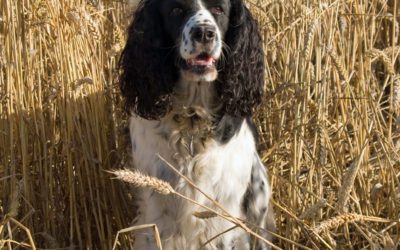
189, 48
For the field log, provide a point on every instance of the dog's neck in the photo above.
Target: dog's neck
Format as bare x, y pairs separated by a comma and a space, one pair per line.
192, 118
196, 95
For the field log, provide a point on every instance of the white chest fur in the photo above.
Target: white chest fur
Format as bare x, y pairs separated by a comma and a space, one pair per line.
221, 170
223, 167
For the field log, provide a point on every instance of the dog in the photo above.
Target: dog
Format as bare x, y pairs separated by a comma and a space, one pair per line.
192, 74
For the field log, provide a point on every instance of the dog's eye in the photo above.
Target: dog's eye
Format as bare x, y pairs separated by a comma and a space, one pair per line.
176, 12
217, 10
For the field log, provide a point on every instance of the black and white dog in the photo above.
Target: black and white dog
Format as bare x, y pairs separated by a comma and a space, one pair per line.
192, 72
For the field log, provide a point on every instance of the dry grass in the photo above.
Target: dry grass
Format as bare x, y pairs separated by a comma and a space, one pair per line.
330, 122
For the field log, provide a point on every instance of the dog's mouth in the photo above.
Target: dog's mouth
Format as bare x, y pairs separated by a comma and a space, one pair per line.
203, 59
201, 64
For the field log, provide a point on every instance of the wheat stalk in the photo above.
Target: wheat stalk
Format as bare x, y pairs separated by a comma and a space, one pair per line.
384, 57
204, 215
348, 181
396, 94
118, 35
309, 38
138, 179
58, 140
14, 200
342, 24
339, 220
313, 210
392, 50
343, 74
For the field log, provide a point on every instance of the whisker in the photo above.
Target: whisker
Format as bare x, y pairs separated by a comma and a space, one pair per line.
226, 47
171, 47
224, 58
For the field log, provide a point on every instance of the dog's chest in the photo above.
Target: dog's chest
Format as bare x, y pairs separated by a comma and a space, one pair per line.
223, 169
220, 168
216, 155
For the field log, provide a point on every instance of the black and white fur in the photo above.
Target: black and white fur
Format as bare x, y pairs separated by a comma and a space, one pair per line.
192, 74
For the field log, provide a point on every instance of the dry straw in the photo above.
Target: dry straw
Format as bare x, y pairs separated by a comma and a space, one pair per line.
311, 212
396, 94
309, 38
343, 74
57, 138
204, 215
348, 182
337, 222
342, 219
140, 180
384, 57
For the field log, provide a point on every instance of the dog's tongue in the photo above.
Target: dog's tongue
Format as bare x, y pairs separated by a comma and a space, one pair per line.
203, 60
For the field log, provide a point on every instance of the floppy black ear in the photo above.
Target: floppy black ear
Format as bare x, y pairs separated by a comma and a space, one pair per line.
147, 67
241, 80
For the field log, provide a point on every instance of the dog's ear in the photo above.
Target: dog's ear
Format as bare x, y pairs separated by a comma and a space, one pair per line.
241, 80
147, 68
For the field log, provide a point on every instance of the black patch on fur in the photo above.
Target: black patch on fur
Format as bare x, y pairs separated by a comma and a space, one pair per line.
229, 127
165, 174
134, 145
247, 198
241, 79
220, 245
253, 129
147, 75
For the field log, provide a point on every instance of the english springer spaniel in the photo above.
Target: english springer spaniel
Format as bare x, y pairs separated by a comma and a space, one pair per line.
192, 73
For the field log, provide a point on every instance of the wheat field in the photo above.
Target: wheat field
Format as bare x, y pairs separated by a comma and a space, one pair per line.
329, 124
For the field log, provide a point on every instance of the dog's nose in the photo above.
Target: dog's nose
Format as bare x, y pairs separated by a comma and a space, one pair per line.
204, 33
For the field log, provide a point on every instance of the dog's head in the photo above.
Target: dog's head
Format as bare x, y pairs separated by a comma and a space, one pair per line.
194, 41
201, 39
